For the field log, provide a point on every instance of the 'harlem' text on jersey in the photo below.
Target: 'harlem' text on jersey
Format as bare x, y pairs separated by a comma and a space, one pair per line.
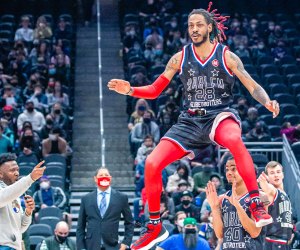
281, 212
235, 236
207, 84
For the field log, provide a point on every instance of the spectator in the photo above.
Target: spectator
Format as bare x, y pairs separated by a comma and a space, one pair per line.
63, 31
44, 133
7, 131
259, 133
140, 130
167, 117
5, 144
189, 239
4, 78
289, 131
110, 204
61, 67
28, 90
249, 122
25, 33
155, 39
54, 144
186, 206
59, 118
39, 99
29, 144
9, 97
178, 221
201, 178
60, 240
8, 115
15, 221
242, 51
40, 52
182, 173
143, 150
48, 196
35, 117
242, 107
58, 96
279, 51
260, 50
137, 116
153, 26
42, 30
131, 38
176, 196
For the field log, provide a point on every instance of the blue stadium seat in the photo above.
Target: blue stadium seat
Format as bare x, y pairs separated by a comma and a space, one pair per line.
274, 131
40, 229
50, 220
293, 119
273, 78
295, 89
277, 88
293, 78
284, 98
287, 59
50, 212
289, 109
35, 240
268, 69
265, 60
268, 119
296, 149
289, 69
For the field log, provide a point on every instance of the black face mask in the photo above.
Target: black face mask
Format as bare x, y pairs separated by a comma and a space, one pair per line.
57, 111
28, 137
61, 239
49, 122
30, 109
147, 120
8, 115
190, 230
186, 202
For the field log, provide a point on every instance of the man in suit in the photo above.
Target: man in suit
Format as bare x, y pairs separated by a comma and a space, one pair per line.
100, 214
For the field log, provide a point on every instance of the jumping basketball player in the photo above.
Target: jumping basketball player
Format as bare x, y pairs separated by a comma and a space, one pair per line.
207, 69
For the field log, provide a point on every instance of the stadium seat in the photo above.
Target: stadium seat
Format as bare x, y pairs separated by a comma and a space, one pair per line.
273, 78
25, 170
293, 119
40, 229
263, 17
295, 89
274, 131
289, 109
284, 98
289, 69
260, 160
268, 69
131, 18
262, 110
250, 69
246, 60
268, 119
157, 69
7, 26
137, 68
55, 158
8, 18
50, 220
287, 59
265, 60
35, 240
293, 78
277, 88
24, 160
52, 170
50, 212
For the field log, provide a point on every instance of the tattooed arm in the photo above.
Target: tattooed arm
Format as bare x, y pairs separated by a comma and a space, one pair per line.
235, 64
151, 91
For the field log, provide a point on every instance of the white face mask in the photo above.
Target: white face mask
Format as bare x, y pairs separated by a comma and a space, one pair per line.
210, 219
44, 185
52, 137
180, 223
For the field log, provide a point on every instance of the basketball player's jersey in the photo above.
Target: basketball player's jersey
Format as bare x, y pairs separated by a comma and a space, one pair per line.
234, 235
281, 211
207, 84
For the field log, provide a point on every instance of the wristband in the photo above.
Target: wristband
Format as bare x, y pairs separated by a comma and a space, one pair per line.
129, 92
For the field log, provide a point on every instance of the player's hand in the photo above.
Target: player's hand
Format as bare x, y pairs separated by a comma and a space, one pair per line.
120, 86
233, 199
263, 178
37, 171
211, 195
273, 106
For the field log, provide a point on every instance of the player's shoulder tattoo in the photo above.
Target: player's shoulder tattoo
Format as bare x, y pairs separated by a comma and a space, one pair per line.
238, 63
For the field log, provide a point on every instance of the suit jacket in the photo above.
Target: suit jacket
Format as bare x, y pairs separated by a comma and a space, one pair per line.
92, 227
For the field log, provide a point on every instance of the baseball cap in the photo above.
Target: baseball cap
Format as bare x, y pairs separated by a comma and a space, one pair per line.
7, 108
187, 193
190, 221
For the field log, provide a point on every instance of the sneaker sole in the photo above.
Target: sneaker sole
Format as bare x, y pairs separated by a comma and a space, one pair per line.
262, 223
157, 240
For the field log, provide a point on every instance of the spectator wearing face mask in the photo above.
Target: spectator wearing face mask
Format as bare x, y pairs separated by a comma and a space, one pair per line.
178, 221
176, 196
167, 117
8, 115
58, 96
59, 118
259, 133
60, 240
44, 133
142, 129
9, 97
251, 119
35, 117
189, 239
39, 99
48, 196
29, 144
142, 152
7, 131
187, 206
54, 144
242, 107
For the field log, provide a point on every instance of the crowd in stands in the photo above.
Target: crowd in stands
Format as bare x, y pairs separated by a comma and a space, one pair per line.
36, 107
269, 47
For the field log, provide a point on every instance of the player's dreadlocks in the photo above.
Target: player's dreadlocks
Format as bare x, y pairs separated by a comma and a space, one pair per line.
217, 21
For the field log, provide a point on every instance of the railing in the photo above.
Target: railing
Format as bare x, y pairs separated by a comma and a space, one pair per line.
281, 152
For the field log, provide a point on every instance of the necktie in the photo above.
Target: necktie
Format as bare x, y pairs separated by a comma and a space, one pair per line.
103, 204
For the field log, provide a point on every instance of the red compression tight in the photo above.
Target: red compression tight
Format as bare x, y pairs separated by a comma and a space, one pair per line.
228, 134
164, 154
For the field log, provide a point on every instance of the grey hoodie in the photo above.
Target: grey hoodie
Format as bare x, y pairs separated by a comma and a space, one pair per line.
13, 221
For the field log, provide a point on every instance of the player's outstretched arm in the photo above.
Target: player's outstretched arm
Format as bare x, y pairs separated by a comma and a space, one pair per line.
151, 91
258, 93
